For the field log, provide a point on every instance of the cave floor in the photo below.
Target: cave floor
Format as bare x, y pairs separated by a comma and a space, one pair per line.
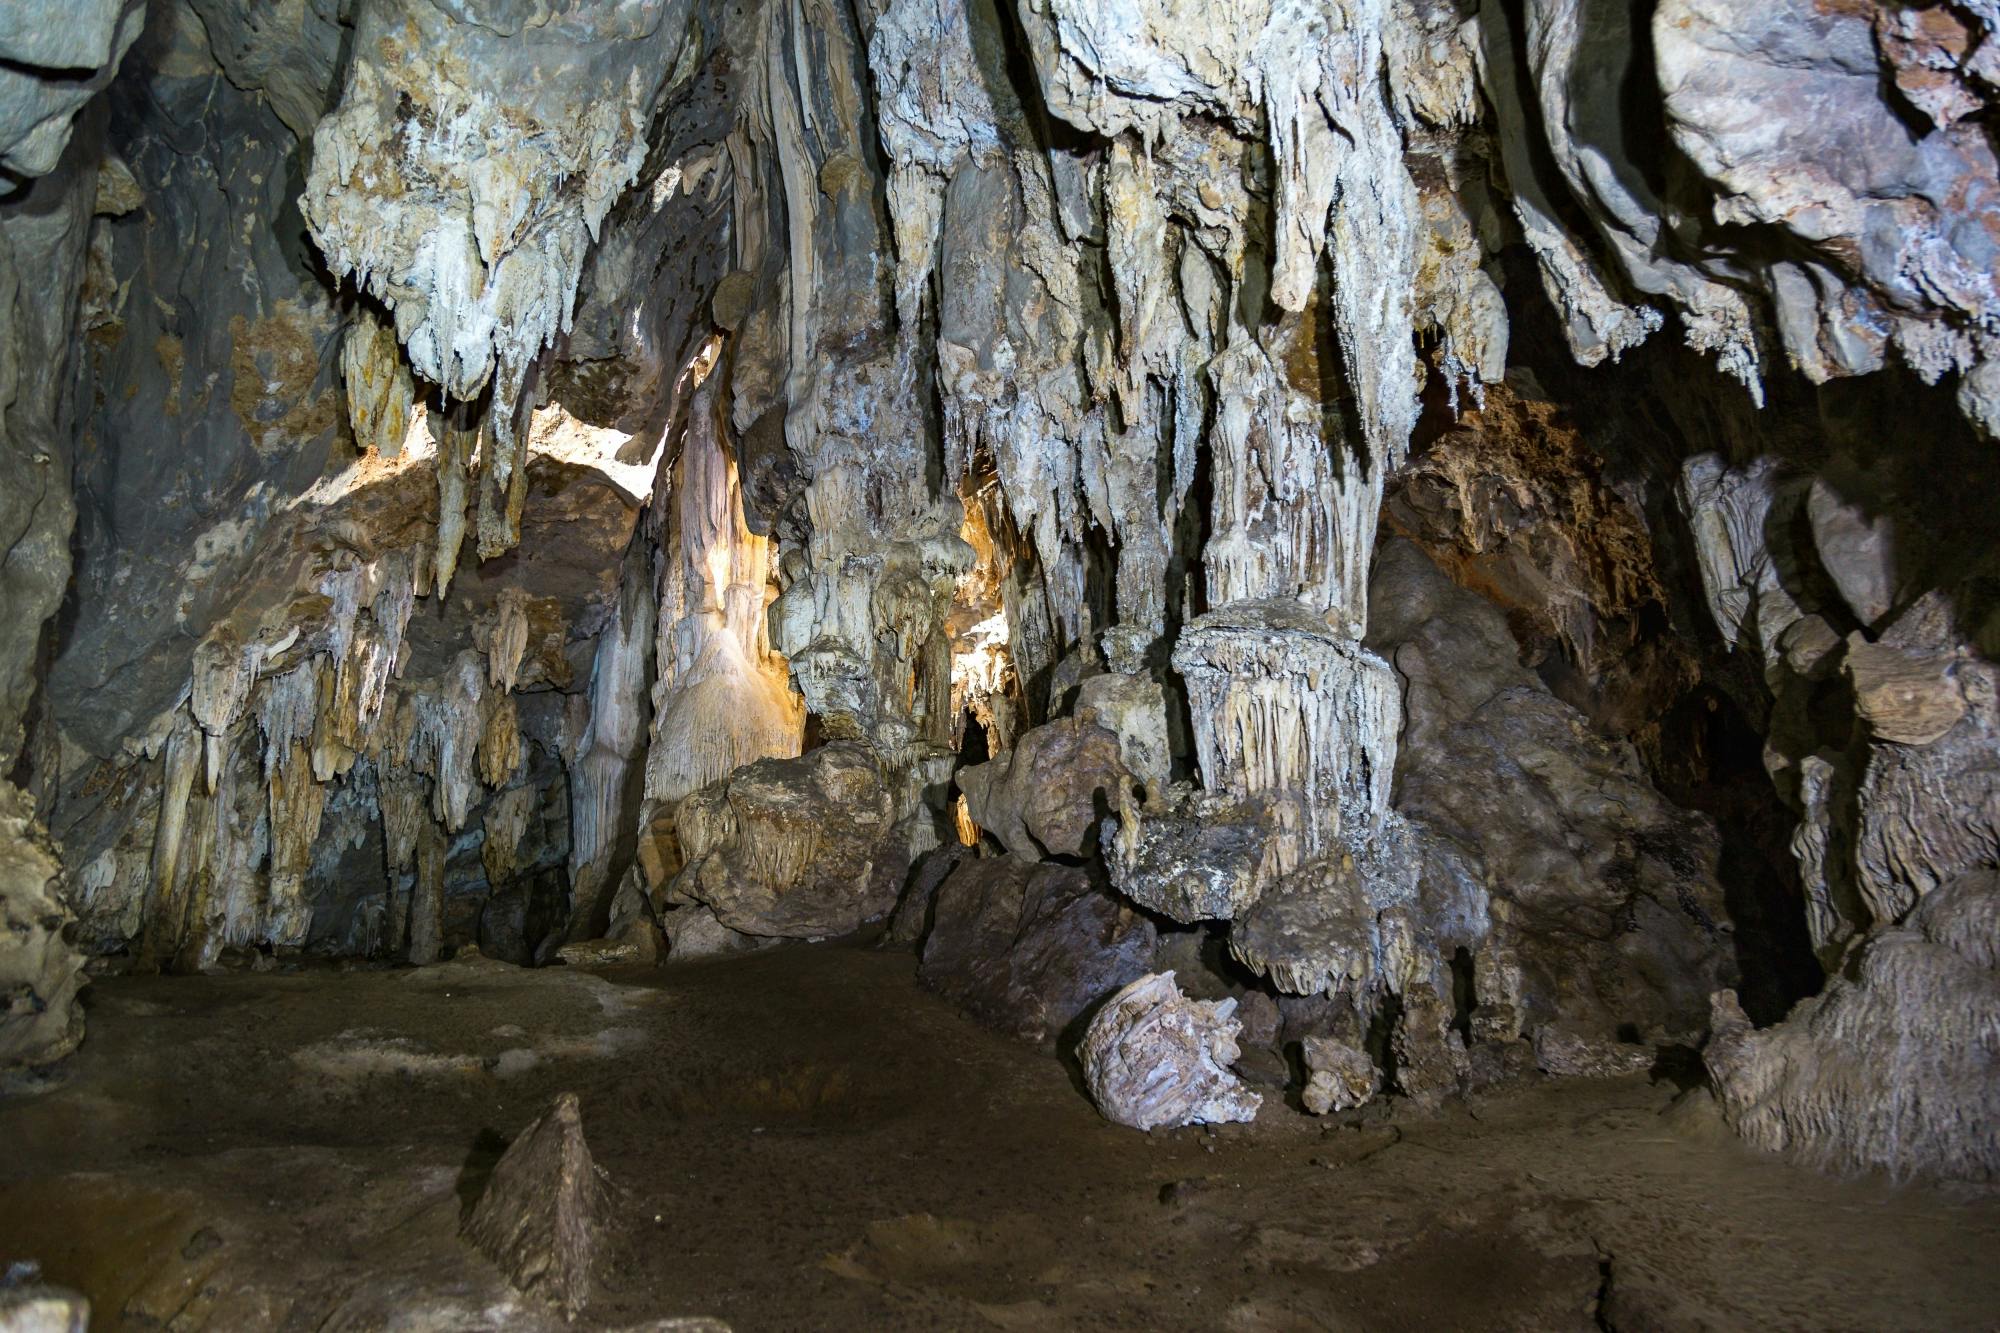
802, 1138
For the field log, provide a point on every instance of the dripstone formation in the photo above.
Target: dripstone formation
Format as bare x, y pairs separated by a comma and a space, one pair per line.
1459, 529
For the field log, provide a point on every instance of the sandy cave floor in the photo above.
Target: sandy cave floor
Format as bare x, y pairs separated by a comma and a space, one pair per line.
803, 1138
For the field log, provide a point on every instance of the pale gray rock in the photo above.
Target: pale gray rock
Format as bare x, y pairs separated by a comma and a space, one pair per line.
1843, 174
1153, 1058
1339, 1076
1823, 1087
54, 65
40, 972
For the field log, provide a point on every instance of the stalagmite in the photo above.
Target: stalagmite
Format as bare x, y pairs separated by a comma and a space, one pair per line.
1279, 497
720, 698
427, 894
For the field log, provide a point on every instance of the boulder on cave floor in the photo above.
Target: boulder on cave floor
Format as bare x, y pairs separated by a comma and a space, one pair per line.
542, 1215
791, 847
1027, 948
1340, 1076
1152, 1057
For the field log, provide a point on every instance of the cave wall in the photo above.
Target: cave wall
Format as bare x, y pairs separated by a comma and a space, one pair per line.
1404, 486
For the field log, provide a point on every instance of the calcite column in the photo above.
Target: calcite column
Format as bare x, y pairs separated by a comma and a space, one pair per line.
1285, 702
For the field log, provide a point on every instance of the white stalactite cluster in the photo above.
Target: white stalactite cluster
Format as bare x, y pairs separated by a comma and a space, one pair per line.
460, 183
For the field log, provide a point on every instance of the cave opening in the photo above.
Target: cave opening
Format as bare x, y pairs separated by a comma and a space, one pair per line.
942, 664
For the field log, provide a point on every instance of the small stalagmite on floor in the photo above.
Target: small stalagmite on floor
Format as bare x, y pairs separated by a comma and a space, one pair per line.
542, 1214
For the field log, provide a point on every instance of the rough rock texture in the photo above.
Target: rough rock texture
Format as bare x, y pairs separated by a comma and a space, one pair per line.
52, 70
1881, 739
1514, 503
1927, 989
541, 1214
1012, 395
1045, 795
791, 847
1583, 894
1152, 1057
1203, 856
1339, 1076
471, 161
40, 972
1028, 949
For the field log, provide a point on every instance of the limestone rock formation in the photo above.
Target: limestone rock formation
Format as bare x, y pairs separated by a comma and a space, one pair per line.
1893, 783
1028, 949
40, 972
792, 847
542, 1212
936, 423
1200, 855
1339, 1076
1583, 894
1045, 795
1152, 1057
1927, 989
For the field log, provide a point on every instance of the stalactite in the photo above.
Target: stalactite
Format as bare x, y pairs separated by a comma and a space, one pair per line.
380, 390
478, 257
1293, 513
505, 821
297, 800
499, 741
403, 818
719, 693
449, 727
457, 436
224, 670
508, 641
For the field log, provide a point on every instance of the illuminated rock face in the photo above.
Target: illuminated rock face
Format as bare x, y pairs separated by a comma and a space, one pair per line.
532, 462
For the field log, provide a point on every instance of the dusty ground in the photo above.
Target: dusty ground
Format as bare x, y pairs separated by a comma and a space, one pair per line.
803, 1139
